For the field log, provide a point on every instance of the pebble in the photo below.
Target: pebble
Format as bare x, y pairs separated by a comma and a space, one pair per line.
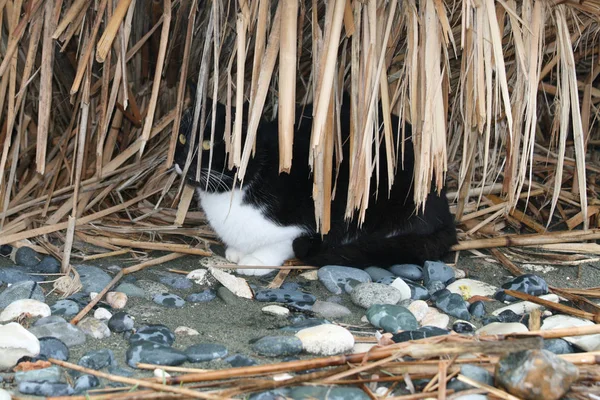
284, 296
185, 331
66, 308
367, 294
240, 360
169, 300
377, 273
330, 310
205, 352
102, 314
463, 327
97, 359
528, 283
477, 309
49, 320
161, 373
502, 328
33, 308
92, 278
151, 288
86, 382
311, 275
418, 292
474, 372
468, 288
14, 275
16, 342
214, 261
421, 333
52, 374
391, 318
435, 286
27, 257
46, 389
131, 290
278, 346
21, 290
326, 339
202, 297
175, 281
48, 265
303, 324
412, 272
436, 319
61, 330
94, 327
229, 297
200, 276
335, 277
276, 310
525, 307
116, 300
121, 322
587, 342
404, 289
153, 353
558, 346
419, 309
159, 334
5, 395
5, 250
536, 375
437, 271
53, 348
452, 304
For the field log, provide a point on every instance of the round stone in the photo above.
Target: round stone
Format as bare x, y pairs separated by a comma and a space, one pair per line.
435, 286
284, 296
419, 309
335, 277
131, 290
16, 342
367, 294
452, 304
411, 272
586, 342
27, 257
121, 322
377, 273
437, 271
418, 292
276, 310
502, 328
391, 318
186, 331
153, 333
58, 328
436, 319
21, 290
175, 281
240, 360
34, 308
14, 275
202, 297
474, 372
558, 346
97, 359
102, 314
66, 308
53, 348
94, 328
93, 279
404, 289
85, 383
463, 327
477, 309
468, 288
52, 374
525, 307
48, 265
326, 339
169, 300
153, 353
330, 310
45, 389
528, 283
278, 346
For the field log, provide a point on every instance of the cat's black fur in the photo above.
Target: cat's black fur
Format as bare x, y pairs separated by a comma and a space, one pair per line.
393, 231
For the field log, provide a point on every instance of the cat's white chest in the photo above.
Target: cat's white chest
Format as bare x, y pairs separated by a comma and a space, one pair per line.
243, 226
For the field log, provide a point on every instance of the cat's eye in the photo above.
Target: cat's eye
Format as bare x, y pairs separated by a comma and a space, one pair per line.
182, 139
206, 145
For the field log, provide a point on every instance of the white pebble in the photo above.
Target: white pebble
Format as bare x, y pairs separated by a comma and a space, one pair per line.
586, 342
93, 295
102, 314
200, 276
399, 284
310, 275
468, 288
435, 318
502, 328
94, 328
185, 331
525, 307
34, 308
326, 339
276, 310
4, 395
161, 373
419, 308
117, 300
16, 342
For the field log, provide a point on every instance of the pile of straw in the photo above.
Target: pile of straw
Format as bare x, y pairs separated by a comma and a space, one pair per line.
501, 96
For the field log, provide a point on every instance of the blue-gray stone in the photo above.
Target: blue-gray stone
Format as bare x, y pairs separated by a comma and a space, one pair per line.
5, 250
418, 292
387, 280
66, 308
558, 346
52, 374
452, 304
278, 346
303, 324
63, 331
477, 309
131, 290
53, 348
86, 382
97, 359
327, 392
120, 322
510, 316
27, 257
407, 271
335, 277
299, 306
118, 370
151, 288
153, 333
205, 352
490, 319
175, 281
437, 271
291, 286
377, 273
284, 296
202, 297
391, 318
421, 333
528, 283
229, 298
435, 286
474, 372
93, 279
169, 300
52, 319
14, 275
21, 290
48, 265
463, 327
240, 360
46, 389
367, 294
153, 353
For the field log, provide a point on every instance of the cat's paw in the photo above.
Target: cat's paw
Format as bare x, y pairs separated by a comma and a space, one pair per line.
233, 255
250, 260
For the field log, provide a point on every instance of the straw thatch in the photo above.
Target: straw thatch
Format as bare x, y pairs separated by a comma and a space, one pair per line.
501, 94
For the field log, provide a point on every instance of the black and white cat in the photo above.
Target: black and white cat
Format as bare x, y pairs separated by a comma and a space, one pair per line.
271, 218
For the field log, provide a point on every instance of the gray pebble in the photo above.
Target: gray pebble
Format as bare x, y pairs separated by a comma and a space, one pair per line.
278, 346
205, 352
202, 297
169, 300
27, 257
367, 294
21, 290
66, 308
335, 277
92, 278
46, 389
153, 353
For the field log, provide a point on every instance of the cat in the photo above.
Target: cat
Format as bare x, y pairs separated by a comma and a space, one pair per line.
271, 218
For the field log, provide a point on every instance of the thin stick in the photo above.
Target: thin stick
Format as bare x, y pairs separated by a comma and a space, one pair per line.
528, 240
